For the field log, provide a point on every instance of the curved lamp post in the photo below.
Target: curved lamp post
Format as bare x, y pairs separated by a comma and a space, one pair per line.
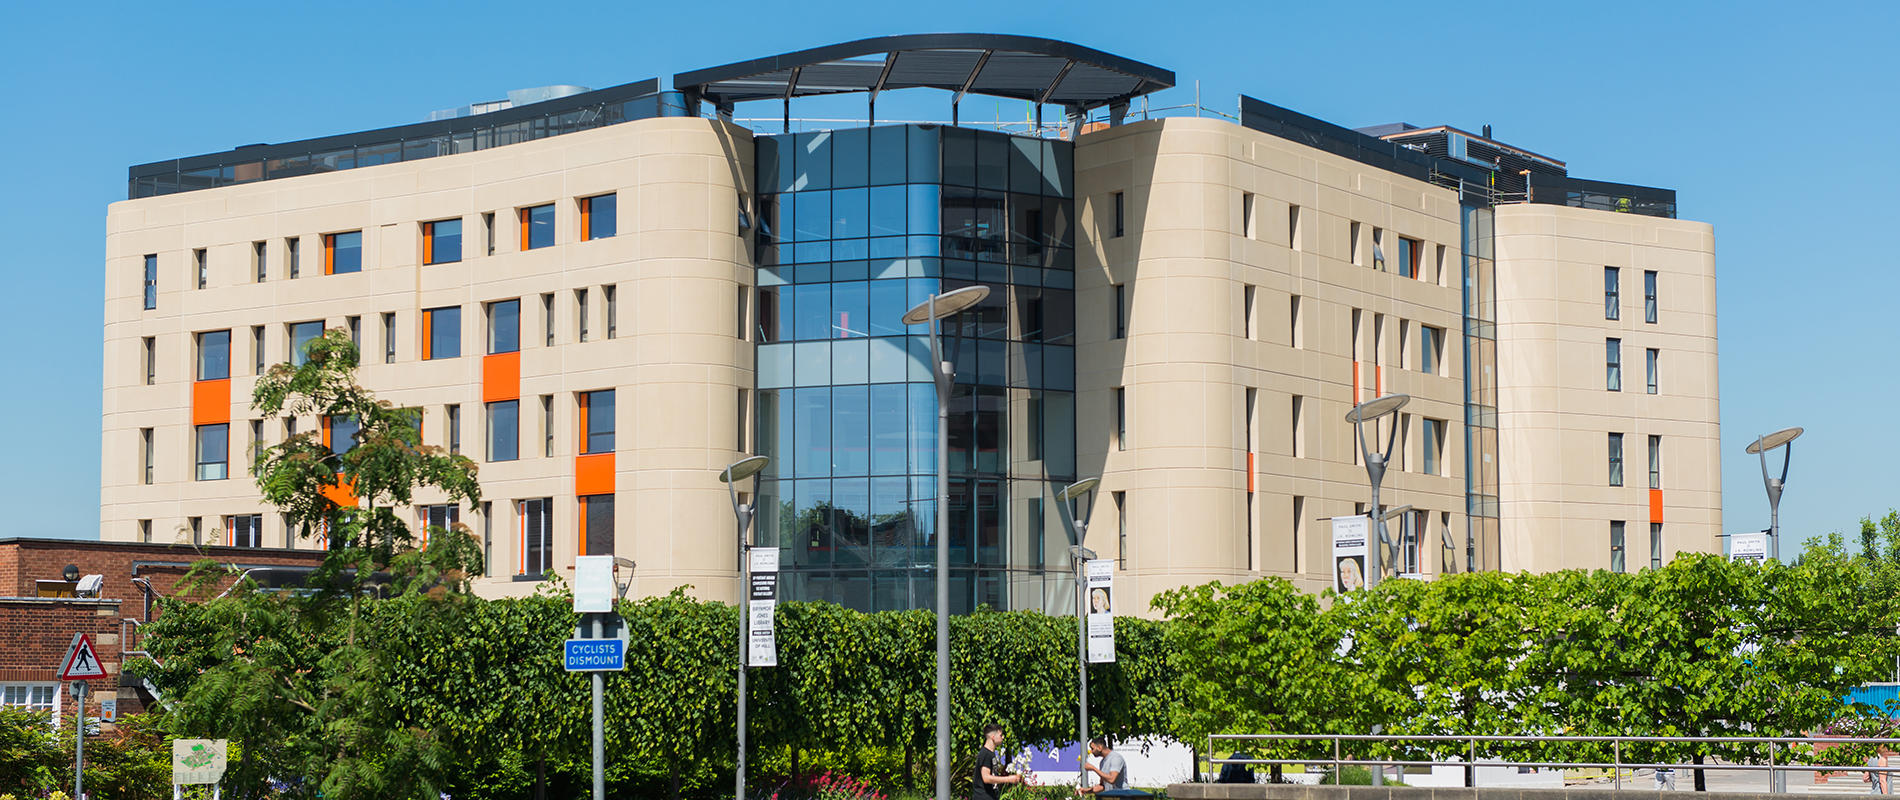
1372, 411
1079, 554
1760, 447
932, 310
742, 512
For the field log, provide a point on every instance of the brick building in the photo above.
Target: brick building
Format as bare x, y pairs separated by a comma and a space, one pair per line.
43, 603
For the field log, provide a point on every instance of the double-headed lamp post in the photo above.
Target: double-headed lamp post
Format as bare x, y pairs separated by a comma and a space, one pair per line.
1760, 447
932, 310
742, 512
1376, 460
1080, 555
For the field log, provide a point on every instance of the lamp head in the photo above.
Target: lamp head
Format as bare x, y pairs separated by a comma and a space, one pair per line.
1377, 407
1081, 553
743, 468
1773, 440
622, 561
1077, 489
947, 304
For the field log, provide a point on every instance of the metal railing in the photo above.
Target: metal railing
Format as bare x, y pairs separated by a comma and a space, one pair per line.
1471, 758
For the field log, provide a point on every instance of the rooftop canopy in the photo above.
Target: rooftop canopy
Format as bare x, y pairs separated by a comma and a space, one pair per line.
999, 65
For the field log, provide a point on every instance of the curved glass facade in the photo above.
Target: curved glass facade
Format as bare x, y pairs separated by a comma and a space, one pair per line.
855, 227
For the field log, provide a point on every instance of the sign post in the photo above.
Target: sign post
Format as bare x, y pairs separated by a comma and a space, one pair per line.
761, 623
198, 761
1351, 545
595, 650
80, 664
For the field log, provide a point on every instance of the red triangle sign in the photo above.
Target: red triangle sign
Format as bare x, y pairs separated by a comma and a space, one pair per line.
81, 661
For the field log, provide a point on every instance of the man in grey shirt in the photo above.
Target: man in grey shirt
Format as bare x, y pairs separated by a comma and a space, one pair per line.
1113, 773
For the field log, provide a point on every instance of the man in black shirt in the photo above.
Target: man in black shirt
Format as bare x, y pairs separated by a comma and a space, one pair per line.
990, 777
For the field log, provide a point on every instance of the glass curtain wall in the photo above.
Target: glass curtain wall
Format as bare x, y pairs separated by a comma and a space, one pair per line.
1481, 391
855, 227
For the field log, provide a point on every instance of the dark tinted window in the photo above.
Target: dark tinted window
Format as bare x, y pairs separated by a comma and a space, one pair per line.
346, 252
504, 326
444, 329
538, 227
603, 216
599, 436
504, 430
301, 333
445, 241
214, 355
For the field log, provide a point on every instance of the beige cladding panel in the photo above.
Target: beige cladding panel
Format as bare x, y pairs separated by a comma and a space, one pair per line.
1187, 360
677, 264
1555, 413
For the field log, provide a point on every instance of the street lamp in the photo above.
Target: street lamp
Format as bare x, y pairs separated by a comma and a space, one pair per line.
1760, 447
932, 310
742, 512
1079, 554
1372, 411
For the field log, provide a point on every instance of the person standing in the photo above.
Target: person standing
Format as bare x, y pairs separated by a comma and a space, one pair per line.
1112, 774
990, 774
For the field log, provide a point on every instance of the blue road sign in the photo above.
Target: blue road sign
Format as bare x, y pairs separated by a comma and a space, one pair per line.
595, 655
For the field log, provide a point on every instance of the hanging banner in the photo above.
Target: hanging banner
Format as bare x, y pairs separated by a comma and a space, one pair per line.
1100, 583
762, 597
1350, 535
1751, 547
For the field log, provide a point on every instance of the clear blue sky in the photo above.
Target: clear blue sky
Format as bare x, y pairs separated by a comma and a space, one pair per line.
1775, 123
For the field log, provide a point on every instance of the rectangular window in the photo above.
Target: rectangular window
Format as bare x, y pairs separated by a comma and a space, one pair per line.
257, 444
1121, 418
1121, 312
453, 413
37, 697
597, 525
257, 261
597, 422
145, 531
1613, 364
1293, 227
1405, 342
1616, 547
1378, 249
213, 451
537, 535
1409, 252
341, 433
201, 267
244, 530
547, 316
293, 257
1246, 215
1121, 529
1352, 245
301, 335
151, 282
537, 226
547, 425
214, 355
1655, 462
441, 333
1412, 527
1650, 357
611, 297
1293, 317
739, 429
342, 252
1299, 531
1655, 545
600, 217
1612, 293
504, 430
1249, 403
504, 326
1431, 343
389, 337
1616, 459
1438, 270
1121, 216
1299, 426
488, 538
196, 524
580, 315
145, 456
740, 305
434, 519
488, 232
442, 241
1246, 312
1434, 445
1649, 296
148, 356
355, 326
257, 349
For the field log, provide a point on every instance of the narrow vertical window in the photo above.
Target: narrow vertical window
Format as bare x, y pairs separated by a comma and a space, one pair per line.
537, 535
1249, 403
197, 525
442, 241
504, 326
355, 326
257, 443
1434, 446
1649, 296
610, 297
342, 253
488, 537
1298, 426
389, 337
597, 525
1121, 311
1246, 215
145, 531
293, 257
1650, 357
257, 261
599, 217
1352, 245
740, 427
740, 307
1655, 545
145, 456
580, 314
1655, 462
1616, 547
201, 266
1616, 459
547, 317
1378, 249
1299, 530
148, 356
1121, 418
1612, 293
547, 425
1293, 322
1293, 227
1121, 217
1410, 252
504, 430
454, 416
488, 233
1613, 364
1438, 271
1247, 326
1429, 340
151, 282
1121, 529
257, 349
597, 422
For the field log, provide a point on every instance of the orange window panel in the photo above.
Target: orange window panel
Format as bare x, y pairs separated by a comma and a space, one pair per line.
428, 334
211, 402
329, 254
428, 243
594, 474
523, 214
1250, 473
501, 377
581, 546
1655, 506
587, 218
342, 493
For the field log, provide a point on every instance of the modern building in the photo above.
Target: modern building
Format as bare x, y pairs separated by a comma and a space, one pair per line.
607, 296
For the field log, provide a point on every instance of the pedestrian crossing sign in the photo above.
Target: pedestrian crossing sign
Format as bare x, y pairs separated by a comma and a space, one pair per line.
81, 661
